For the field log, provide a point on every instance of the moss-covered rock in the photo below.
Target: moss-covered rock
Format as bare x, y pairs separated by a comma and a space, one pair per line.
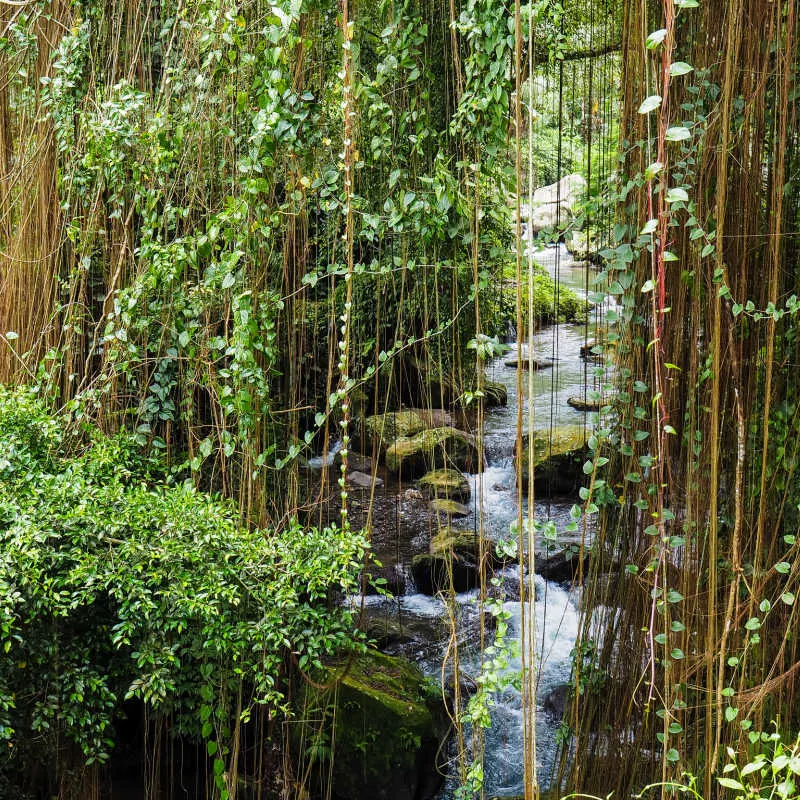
380, 430
437, 448
581, 404
494, 394
434, 573
448, 484
448, 508
455, 553
386, 723
558, 458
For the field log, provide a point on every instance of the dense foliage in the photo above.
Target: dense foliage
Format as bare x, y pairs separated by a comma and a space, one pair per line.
117, 585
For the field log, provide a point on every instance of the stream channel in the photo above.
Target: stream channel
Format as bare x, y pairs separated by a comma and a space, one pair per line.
556, 609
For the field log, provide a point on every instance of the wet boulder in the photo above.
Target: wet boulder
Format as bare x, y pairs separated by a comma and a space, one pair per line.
361, 480
434, 573
380, 430
528, 362
558, 458
385, 723
449, 509
584, 404
453, 556
494, 394
436, 448
448, 484
555, 701
555, 205
562, 567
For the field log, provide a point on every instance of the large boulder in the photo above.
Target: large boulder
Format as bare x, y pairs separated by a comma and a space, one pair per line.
562, 567
447, 484
453, 555
382, 429
556, 204
494, 394
436, 448
558, 458
383, 724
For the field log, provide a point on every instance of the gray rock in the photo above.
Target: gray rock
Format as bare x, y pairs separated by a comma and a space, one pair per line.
362, 480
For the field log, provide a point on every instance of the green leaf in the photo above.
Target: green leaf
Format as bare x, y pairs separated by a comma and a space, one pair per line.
787, 598
677, 194
753, 624
653, 170
228, 280
679, 68
649, 227
730, 783
648, 285
673, 755
731, 714
677, 134
650, 104
655, 38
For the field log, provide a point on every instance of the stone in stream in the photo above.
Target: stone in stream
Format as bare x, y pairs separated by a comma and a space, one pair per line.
562, 567
363, 481
386, 723
579, 404
356, 462
383, 429
555, 701
433, 573
452, 552
436, 448
448, 508
528, 362
494, 394
558, 458
448, 484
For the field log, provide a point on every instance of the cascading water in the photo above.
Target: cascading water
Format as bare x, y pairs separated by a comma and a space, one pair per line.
424, 620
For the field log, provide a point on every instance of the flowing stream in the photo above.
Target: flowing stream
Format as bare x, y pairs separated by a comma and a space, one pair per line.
494, 497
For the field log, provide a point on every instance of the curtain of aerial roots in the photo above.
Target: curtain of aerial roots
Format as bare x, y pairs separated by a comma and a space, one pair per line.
29, 211
681, 669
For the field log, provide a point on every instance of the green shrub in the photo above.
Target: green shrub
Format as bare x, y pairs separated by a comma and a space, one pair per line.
114, 585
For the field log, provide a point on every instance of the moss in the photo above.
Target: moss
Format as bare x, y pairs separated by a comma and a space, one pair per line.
433, 449
558, 457
385, 428
446, 483
449, 507
570, 307
386, 725
494, 394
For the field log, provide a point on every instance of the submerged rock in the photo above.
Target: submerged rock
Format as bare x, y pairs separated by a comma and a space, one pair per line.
383, 726
445, 483
558, 458
437, 448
